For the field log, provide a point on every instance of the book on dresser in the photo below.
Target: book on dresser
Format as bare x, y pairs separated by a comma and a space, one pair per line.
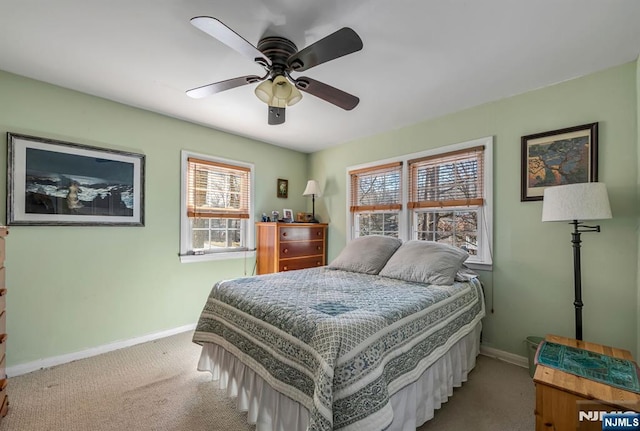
4, 399
289, 246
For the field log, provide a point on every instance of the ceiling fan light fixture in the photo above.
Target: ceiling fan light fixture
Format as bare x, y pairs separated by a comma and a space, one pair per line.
278, 92
295, 96
278, 102
281, 87
264, 91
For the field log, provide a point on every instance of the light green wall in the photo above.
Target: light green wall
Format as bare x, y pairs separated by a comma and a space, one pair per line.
531, 285
73, 288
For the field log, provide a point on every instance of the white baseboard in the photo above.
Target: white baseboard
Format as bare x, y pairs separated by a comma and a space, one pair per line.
20, 369
511, 358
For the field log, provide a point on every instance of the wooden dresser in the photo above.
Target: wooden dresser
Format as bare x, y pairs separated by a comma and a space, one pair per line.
561, 396
289, 246
4, 399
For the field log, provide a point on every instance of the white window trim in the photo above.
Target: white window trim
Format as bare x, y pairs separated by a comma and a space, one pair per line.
485, 229
184, 220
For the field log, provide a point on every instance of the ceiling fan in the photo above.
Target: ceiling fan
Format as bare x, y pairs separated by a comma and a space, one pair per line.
280, 57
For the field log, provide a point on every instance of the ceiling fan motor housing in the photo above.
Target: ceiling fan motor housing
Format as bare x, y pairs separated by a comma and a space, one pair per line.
278, 50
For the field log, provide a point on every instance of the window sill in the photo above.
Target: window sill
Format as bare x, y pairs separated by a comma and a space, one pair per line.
192, 258
479, 266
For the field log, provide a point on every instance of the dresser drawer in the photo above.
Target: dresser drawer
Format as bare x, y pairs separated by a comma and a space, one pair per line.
5, 406
302, 263
3, 365
292, 233
297, 249
4, 400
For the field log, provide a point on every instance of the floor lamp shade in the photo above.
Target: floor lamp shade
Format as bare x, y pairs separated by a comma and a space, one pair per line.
582, 201
576, 203
313, 190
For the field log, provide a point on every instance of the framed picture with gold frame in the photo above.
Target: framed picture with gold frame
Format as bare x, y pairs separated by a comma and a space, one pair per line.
283, 188
304, 217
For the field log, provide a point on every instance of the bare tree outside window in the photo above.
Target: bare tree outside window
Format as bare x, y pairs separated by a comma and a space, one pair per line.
376, 199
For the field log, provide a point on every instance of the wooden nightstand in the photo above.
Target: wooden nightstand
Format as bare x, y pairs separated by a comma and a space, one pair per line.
560, 396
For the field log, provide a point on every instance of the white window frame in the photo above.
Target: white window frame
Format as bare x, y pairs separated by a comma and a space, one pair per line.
356, 221
246, 231
406, 217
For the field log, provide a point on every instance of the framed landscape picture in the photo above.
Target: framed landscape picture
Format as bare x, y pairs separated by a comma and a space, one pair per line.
564, 156
61, 183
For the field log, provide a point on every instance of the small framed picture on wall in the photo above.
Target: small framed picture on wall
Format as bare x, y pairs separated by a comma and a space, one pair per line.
283, 188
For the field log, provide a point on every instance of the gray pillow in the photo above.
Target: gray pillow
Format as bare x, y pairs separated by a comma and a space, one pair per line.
366, 254
425, 262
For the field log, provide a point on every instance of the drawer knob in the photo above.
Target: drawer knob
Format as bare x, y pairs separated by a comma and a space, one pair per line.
284, 234
285, 268
285, 251
319, 247
318, 233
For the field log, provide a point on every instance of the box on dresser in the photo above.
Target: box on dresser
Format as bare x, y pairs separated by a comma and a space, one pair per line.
290, 246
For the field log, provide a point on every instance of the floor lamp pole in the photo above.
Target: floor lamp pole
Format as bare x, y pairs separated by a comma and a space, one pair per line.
577, 272
577, 278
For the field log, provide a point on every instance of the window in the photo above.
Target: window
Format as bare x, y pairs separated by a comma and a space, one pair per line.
447, 198
216, 207
376, 199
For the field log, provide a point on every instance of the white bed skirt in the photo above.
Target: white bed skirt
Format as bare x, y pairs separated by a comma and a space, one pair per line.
271, 411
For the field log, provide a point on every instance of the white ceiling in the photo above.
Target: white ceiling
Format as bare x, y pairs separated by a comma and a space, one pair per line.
421, 58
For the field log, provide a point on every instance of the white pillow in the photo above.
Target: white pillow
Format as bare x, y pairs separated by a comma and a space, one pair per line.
425, 262
366, 254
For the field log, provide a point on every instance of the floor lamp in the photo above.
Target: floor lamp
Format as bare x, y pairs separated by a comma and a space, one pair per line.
313, 190
576, 203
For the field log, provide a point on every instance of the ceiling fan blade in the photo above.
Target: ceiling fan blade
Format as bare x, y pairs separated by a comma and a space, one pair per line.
217, 87
327, 93
215, 28
342, 42
276, 115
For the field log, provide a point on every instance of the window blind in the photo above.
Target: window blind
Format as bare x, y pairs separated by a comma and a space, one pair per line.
446, 180
376, 188
217, 190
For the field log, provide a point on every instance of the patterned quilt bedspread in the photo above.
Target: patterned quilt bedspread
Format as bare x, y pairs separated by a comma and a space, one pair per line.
340, 343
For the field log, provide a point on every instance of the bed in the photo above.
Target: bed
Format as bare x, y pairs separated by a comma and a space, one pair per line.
376, 340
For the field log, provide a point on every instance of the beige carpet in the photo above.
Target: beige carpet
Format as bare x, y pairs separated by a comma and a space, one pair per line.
155, 386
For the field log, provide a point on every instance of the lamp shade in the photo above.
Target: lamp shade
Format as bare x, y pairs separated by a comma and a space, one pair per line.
581, 201
312, 189
295, 96
264, 91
